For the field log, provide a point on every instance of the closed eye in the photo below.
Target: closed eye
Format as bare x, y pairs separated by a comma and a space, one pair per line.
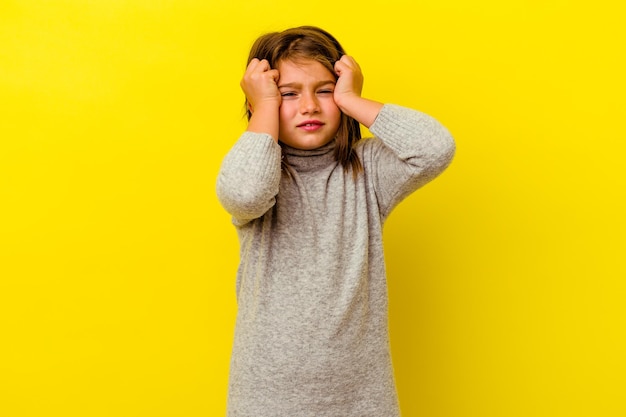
288, 94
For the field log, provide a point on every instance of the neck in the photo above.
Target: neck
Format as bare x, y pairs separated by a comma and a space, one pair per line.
309, 160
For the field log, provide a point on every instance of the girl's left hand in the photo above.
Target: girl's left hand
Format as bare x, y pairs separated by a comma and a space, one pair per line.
347, 93
350, 82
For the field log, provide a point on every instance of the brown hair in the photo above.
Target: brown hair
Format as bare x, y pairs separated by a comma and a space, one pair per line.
310, 42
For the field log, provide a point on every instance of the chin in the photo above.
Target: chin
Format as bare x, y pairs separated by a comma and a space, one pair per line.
308, 145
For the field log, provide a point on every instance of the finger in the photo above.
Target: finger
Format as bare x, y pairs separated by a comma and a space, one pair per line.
254, 62
274, 74
264, 65
257, 65
350, 62
340, 67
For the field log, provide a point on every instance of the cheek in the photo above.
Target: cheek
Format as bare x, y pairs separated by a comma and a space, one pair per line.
286, 111
333, 112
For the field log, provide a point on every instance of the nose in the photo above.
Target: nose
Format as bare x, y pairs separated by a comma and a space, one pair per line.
309, 104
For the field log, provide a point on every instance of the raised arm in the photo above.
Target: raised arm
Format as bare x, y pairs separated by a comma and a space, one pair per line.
263, 97
347, 93
249, 177
413, 148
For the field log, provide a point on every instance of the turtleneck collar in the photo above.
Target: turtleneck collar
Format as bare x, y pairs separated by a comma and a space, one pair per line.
309, 160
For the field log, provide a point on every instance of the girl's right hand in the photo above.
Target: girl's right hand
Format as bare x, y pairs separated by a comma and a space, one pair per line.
259, 84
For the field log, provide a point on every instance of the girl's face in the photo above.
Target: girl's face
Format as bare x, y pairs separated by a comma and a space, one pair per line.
308, 117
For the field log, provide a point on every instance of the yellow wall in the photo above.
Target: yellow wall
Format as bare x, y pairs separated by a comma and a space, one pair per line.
117, 263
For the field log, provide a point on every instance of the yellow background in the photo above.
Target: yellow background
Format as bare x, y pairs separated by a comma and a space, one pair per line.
117, 263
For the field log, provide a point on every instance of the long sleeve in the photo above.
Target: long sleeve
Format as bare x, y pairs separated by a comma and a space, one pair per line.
312, 336
413, 149
248, 180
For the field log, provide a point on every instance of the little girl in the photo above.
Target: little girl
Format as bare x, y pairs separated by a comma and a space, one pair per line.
309, 198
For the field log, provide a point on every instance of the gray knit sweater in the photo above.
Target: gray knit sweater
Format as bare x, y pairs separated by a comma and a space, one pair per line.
311, 336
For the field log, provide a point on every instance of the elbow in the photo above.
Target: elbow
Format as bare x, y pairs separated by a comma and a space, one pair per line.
435, 157
246, 203
447, 148
443, 149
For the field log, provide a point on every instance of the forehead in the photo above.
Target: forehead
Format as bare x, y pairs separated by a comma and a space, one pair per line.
302, 71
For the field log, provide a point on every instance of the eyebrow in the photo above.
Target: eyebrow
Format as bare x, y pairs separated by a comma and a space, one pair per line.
297, 84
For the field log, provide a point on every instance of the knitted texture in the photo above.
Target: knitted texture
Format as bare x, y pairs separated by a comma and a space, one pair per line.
311, 335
